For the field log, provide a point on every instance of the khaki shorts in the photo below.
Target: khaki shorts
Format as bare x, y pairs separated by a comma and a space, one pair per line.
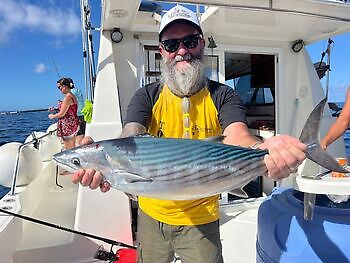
158, 242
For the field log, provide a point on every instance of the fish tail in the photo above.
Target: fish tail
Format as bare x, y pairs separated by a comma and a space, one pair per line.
309, 136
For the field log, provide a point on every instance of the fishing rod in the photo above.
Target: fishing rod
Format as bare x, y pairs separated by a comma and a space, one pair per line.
24, 111
41, 222
35, 110
54, 65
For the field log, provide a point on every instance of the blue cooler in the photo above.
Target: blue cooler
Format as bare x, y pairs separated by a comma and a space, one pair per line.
284, 235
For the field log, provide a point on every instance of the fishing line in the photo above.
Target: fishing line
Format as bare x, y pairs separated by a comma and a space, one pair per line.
54, 65
41, 222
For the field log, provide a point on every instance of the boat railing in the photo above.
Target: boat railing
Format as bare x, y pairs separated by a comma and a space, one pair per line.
35, 142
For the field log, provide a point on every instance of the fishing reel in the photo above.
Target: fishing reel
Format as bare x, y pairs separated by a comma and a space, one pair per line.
127, 255
105, 255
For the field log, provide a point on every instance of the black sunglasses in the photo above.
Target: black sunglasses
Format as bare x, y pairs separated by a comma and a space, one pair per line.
191, 41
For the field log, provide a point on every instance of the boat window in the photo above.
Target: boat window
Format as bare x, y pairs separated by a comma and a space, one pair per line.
249, 94
252, 76
212, 67
152, 64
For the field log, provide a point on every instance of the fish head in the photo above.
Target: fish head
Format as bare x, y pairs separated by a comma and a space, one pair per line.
84, 157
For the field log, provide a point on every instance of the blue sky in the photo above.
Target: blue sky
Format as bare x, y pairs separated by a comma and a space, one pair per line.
38, 36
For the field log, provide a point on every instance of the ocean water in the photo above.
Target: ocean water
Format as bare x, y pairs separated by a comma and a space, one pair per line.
16, 127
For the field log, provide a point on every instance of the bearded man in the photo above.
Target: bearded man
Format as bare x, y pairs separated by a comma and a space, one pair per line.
185, 104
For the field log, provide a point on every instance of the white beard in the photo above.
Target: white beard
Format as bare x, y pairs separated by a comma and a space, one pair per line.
185, 82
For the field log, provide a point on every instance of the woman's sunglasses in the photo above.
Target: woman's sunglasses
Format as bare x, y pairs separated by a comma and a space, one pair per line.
60, 87
191, 41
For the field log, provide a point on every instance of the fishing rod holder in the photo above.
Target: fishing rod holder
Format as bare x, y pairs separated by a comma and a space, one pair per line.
35, 142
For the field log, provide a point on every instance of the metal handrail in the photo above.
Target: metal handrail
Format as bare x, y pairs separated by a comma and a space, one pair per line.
15, 172
269, 8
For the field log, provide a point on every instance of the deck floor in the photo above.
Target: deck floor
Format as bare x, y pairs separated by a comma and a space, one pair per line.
238, 228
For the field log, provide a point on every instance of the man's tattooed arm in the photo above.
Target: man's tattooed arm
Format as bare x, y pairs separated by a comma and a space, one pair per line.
132, 128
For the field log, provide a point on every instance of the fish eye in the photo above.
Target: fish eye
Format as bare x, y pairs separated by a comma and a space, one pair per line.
75, 161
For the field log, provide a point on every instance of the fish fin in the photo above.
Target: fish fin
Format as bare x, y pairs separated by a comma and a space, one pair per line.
131, 177
239, 192
309, 136
218, 138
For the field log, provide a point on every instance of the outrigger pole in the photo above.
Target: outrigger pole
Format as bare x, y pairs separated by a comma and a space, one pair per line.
88, 52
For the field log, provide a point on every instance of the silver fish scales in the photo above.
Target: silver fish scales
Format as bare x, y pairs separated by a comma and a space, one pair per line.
176, 169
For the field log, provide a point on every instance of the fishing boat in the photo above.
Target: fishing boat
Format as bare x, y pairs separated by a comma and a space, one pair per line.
257, 47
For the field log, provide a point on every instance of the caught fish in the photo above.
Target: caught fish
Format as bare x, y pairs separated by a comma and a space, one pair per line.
183, 169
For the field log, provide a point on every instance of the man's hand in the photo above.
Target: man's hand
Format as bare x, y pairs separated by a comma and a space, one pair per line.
90, 177
286, 153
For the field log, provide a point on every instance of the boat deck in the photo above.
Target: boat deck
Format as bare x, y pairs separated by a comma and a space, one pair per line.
57, 205
238, 229
46, 244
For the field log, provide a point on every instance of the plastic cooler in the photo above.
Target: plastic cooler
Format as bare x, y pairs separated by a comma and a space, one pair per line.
284, 235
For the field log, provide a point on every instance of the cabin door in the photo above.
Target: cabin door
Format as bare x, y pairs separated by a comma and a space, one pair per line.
252, 76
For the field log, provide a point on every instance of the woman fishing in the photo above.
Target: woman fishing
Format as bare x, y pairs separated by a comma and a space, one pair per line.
68, 121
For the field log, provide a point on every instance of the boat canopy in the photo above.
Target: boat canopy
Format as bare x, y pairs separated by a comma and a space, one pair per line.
277, 20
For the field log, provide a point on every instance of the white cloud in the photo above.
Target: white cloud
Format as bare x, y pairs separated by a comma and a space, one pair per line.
51, 20
40, 68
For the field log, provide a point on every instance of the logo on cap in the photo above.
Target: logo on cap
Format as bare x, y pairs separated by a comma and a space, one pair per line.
177, 12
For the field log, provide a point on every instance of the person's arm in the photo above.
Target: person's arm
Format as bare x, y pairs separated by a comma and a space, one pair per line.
68, 100
237, 133
285, 152
132, 128
339, 126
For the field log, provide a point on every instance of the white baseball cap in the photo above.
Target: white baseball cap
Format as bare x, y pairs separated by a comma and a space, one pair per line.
178, 12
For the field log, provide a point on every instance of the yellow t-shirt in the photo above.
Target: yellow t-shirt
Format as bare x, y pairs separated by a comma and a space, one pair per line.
167, 121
